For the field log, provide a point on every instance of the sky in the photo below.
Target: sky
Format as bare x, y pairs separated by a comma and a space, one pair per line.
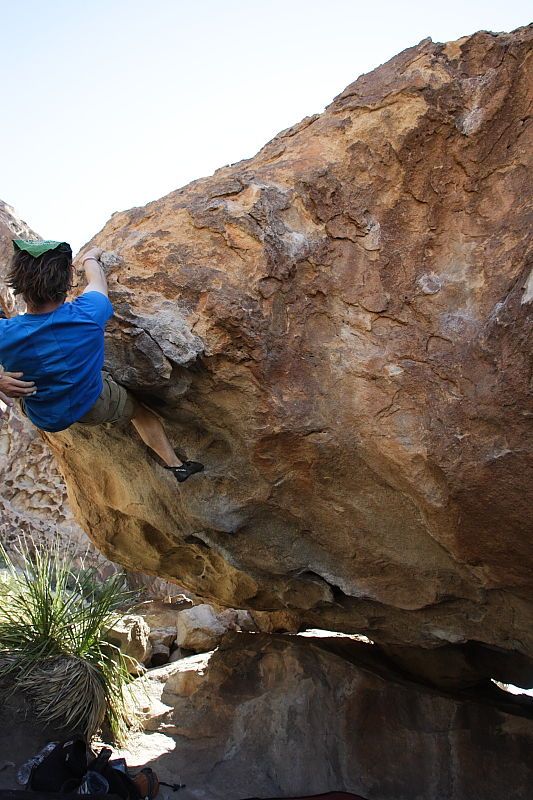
108, 104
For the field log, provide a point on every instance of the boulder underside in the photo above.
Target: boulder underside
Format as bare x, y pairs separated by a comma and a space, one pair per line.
264, 717
338, 329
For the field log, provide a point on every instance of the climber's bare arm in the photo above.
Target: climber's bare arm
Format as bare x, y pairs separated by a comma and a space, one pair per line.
94, 272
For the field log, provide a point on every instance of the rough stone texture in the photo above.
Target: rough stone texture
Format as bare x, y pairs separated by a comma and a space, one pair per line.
33, 492
338, 329
159, 614
199, 629
237, 620
164, 636
265, 717
131, 634
160, 654
156, 588
276, 621
11, 227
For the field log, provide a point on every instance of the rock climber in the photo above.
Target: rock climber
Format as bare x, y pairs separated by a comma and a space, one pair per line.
58, 347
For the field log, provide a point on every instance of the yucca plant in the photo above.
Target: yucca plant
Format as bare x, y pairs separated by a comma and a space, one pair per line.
53, 620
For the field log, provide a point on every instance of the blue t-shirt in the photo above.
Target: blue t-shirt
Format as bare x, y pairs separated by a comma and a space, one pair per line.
63, 352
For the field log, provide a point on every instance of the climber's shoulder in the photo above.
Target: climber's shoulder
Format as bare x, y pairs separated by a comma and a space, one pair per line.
93, 306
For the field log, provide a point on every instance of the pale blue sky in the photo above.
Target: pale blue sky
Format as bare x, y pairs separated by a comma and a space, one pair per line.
108, 104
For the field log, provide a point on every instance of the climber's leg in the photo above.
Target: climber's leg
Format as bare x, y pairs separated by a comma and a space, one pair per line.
117, 405
151, 431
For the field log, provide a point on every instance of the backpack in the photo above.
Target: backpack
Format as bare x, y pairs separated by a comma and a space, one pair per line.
70, 768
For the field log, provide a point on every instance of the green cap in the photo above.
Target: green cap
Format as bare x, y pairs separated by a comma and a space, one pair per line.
36, 247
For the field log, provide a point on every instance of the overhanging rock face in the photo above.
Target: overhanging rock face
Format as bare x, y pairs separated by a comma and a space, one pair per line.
337, 328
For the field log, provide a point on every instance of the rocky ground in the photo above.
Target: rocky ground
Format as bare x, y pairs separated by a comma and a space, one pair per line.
245, 713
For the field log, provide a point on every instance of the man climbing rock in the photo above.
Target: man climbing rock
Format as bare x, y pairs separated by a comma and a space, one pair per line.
59, 346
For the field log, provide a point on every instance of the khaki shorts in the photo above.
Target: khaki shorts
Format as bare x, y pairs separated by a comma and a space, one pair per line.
115, 404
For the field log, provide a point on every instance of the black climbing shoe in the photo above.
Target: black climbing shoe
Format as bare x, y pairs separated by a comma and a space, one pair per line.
187, 469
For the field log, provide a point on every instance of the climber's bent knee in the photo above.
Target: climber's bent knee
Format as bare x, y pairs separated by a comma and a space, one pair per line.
115, 404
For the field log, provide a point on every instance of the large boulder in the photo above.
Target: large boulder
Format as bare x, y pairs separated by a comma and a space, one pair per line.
337, 328
200, 629
132, 635
273, 717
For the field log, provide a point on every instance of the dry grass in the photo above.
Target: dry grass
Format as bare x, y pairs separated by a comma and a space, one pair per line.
53, 620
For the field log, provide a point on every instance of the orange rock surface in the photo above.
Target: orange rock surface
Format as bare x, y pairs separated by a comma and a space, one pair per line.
338, 329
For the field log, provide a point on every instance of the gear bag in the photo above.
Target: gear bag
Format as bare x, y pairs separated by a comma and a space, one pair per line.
71, 768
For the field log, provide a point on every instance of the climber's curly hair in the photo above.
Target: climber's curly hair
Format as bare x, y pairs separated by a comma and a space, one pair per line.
41, 280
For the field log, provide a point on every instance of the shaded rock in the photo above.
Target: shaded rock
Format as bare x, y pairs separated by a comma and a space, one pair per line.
152, 713
164, 636
338, 328
463, 666
131, 634
160, 615
155, 693
177, 654
185, 678
199, 629
160, 654
276, 621
446, 667
264, 717
237, 620
157, 588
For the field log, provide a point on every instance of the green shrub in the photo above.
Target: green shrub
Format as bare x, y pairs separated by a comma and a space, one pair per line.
53, 620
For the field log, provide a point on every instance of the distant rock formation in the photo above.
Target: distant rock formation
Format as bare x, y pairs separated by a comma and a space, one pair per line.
338, 329
11, 227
